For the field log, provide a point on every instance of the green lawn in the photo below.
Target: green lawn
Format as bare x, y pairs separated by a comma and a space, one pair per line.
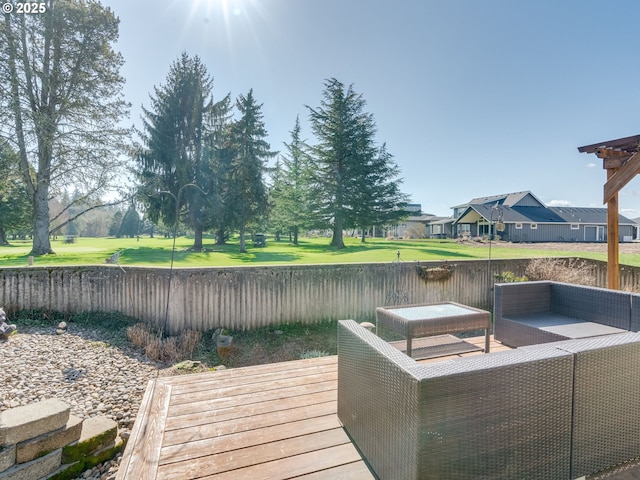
157, 251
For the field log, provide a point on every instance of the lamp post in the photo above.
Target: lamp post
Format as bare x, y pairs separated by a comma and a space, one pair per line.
499, 228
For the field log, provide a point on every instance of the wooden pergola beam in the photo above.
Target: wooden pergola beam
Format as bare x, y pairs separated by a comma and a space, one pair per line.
619, 177
621, 159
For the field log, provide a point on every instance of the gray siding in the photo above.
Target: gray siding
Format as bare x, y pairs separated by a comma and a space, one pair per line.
559, 233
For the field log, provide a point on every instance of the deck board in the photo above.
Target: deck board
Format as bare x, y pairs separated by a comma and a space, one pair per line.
275, 421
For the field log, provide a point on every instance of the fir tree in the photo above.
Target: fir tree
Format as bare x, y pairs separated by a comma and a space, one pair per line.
355, 182
175, 165
291, 191
15, 204
248, 191
130, 225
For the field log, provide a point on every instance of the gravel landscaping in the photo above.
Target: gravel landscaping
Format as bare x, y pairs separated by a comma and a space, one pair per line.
81, 368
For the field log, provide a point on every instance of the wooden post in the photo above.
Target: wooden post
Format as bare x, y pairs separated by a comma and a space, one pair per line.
613, 239
621, 160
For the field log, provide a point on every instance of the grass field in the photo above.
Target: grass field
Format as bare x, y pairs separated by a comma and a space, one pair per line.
157, 252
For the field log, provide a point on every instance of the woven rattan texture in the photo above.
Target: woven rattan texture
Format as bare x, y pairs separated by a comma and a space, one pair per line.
607, 307
378, 401
606, 424
500, 416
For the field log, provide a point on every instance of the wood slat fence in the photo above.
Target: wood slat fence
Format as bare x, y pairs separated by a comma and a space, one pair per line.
250, 297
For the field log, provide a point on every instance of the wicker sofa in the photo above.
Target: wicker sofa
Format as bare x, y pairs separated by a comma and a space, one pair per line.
530, 313
553, 411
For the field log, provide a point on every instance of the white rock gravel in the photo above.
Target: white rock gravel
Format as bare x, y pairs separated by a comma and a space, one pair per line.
79, 368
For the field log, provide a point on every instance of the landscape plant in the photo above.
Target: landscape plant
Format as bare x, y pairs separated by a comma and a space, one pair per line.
355, 182
61, 105
571, 270
175, 165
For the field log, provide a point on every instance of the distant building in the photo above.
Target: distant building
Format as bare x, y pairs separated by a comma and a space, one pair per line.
522, 217
416, 225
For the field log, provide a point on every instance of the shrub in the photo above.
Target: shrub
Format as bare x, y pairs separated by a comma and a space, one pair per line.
172, 349
510, 277
313, 354
561, 270
139, 334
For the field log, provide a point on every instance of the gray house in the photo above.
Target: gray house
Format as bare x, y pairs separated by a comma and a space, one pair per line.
440, 227
416, 225
522, 217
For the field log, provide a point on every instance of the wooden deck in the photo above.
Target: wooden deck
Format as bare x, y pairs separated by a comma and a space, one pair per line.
276, 421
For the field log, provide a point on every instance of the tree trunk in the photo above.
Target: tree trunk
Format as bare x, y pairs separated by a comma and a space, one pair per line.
220, 236
197, 238
364, 234
243, 248
295, 235
41, 241
3, 237
336, 239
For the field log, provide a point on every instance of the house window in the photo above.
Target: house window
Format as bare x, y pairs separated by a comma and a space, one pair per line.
518, 226
464, 229
533, 226
575, 226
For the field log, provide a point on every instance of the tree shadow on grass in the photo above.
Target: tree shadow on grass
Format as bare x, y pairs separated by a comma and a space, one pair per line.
187, 257
264, 257
446, 253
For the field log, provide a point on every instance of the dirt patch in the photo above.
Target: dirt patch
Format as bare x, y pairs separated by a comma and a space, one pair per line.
630, 247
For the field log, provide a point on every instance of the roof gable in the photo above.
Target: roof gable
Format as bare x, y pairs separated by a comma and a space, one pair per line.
597, 216
524, 199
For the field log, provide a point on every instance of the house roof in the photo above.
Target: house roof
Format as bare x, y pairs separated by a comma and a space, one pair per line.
508, 199
538, 215
442, 221
425, 217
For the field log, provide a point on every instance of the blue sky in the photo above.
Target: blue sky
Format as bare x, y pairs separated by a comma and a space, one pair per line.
472, 97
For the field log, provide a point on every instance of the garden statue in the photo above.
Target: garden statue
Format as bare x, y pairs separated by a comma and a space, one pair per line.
5, 328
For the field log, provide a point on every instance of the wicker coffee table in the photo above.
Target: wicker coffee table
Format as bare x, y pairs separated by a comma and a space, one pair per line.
413, 321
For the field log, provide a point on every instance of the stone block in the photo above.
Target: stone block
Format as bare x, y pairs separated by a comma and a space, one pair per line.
23, 423
7, 457
36, 447
105, 454
38, 468
97, 433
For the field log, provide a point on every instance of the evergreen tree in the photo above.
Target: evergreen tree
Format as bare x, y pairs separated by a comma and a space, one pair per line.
291, 192
378, 199
15, 204
130, 226
248, 192
221, 150
345, 134
175, 165
114, 227
355, 183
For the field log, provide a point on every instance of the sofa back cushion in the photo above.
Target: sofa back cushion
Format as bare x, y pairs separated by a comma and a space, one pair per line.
521, 298
600, 305
504, 415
